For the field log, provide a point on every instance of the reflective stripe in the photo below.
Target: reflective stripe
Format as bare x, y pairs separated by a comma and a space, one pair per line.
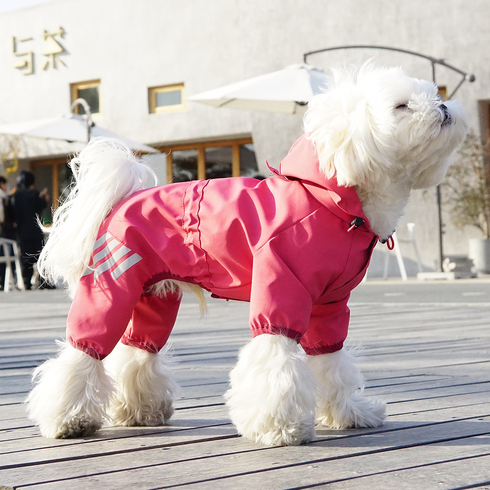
87, 272
111, 245
112, 257
105, 237
125, 265
101, 240
111, 261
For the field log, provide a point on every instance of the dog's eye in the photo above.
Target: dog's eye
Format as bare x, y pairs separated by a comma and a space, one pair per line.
402, 107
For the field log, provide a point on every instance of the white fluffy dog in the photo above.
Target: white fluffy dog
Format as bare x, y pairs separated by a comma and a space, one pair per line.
283, 244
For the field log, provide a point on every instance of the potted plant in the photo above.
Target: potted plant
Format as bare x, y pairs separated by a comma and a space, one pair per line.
468, 195
9, 151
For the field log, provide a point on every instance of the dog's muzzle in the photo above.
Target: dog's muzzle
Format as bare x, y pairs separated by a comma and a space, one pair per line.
447, 115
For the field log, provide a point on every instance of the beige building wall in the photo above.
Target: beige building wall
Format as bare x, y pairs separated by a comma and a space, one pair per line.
131, 46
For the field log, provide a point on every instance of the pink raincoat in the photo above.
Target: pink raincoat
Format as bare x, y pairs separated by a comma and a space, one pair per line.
294, 245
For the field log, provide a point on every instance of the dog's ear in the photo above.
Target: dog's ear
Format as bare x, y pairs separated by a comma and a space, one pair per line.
350, 144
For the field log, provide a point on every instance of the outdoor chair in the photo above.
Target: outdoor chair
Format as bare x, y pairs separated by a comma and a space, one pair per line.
11, 257
399, 257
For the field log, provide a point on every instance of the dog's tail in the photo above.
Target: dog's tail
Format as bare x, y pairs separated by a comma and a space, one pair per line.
105, 172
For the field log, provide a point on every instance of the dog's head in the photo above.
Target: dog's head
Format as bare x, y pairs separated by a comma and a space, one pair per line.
379, 124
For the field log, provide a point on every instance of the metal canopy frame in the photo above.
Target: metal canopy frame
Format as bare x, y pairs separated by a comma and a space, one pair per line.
433, 61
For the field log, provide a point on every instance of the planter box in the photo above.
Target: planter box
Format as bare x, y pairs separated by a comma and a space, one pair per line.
480, 254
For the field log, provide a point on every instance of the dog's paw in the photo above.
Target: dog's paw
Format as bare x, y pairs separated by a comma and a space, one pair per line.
120, 413
353, 412
272, 394
144, 387
273, 432
69, 396
341, 404
77, 427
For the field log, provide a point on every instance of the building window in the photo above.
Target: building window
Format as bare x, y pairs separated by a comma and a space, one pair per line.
442, 92
183, 165
90, 92
167, 98
211, 160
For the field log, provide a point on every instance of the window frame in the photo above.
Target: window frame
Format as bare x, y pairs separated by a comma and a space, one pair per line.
152, 98
74, 94
201, 159
442, 91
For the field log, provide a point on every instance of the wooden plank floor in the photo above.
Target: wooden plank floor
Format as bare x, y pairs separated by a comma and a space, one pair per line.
429, 358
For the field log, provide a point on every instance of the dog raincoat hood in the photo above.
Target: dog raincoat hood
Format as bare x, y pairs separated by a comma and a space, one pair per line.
302, 164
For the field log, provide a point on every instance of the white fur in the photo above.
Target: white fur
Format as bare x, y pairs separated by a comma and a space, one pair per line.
272, 394
70, 395
365, 139
376, 130
340, 401
162, 288
144, 387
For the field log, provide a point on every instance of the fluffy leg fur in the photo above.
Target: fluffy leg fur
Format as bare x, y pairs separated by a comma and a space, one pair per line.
70, 395
144, 387
272, 394
341, 404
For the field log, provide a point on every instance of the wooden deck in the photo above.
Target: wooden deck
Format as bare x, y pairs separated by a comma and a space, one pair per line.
428, 357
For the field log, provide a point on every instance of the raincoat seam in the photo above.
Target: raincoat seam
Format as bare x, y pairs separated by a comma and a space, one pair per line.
198, 215
186, 228
270, 327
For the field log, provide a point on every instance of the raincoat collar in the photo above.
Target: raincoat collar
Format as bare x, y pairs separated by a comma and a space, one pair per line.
301, 164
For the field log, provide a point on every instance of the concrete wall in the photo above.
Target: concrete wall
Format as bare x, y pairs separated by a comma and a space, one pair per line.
132, 45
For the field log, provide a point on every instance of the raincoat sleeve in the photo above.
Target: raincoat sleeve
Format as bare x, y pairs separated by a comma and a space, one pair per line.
327, 328
279, 302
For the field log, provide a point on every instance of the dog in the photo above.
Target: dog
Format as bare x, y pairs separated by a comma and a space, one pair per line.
294, 245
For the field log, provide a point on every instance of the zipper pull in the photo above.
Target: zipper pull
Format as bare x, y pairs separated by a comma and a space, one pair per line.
355, 223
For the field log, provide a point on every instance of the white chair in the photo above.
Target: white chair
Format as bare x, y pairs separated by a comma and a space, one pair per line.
398, 253
11, 258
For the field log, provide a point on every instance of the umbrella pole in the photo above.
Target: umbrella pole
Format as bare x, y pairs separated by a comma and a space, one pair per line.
88, 114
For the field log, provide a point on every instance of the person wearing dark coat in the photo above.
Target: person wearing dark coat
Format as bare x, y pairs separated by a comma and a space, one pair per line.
26, 204
3, 227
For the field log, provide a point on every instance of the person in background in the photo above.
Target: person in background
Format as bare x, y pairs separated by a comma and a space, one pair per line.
3, 197
3, 200
26, 204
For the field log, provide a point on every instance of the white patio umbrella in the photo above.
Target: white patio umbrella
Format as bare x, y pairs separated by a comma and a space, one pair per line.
287, 90
71, 128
